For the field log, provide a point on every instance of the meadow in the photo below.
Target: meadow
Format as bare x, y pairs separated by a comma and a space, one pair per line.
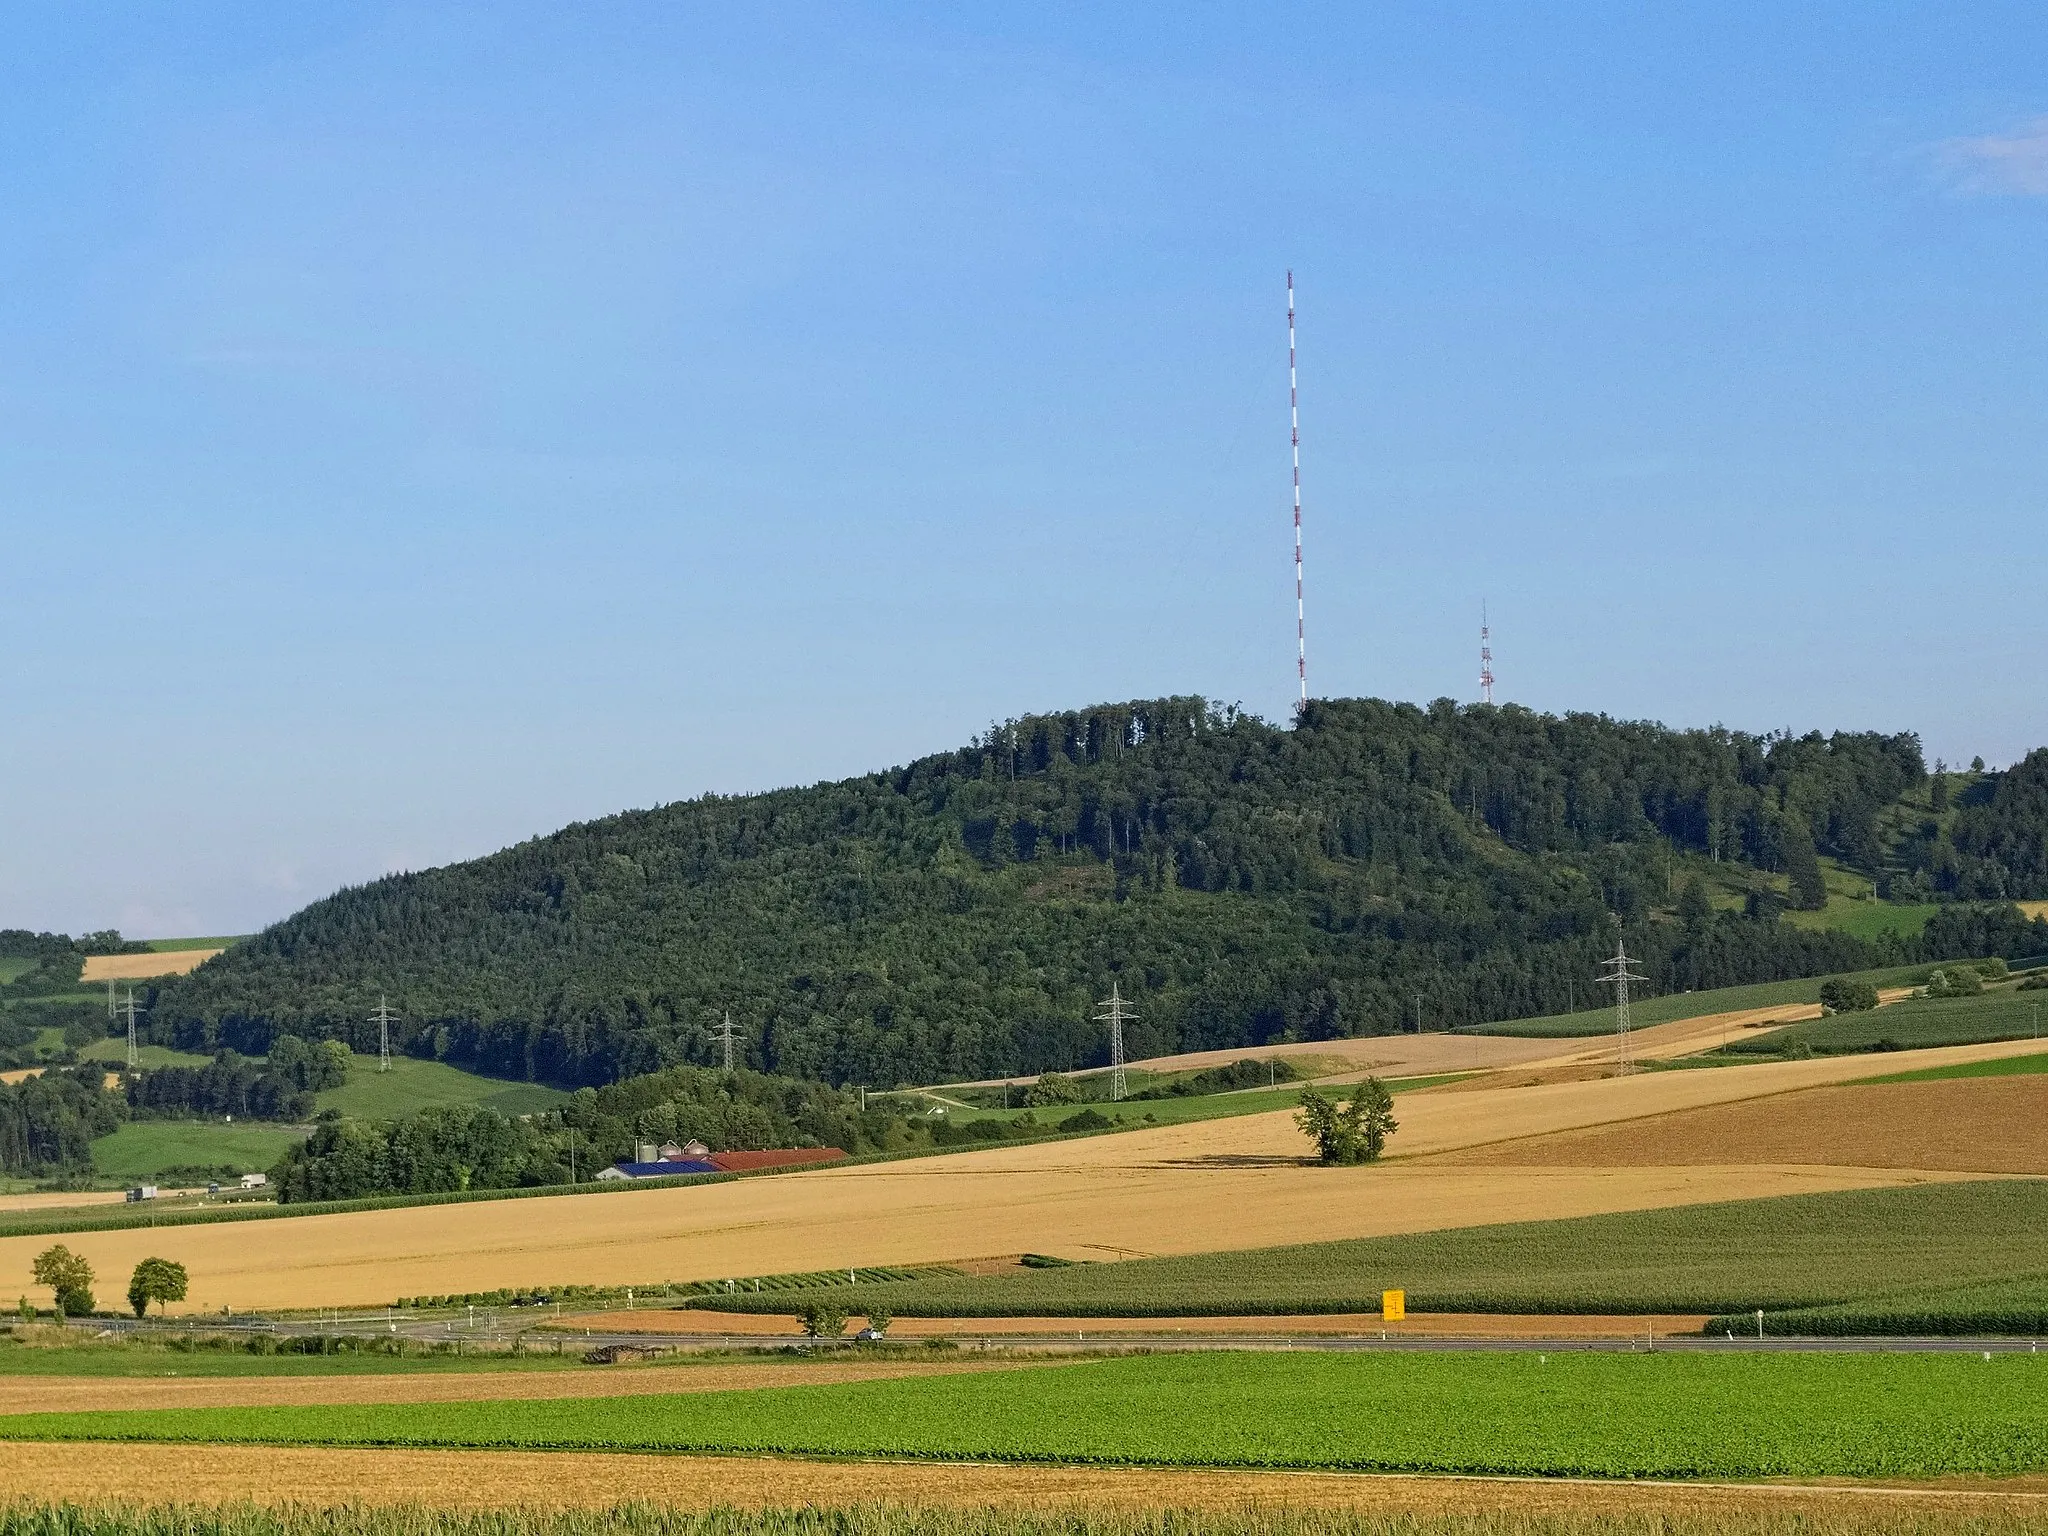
413, 1085
1568, 1415
1798, 1251
194, 1149
2003, 1066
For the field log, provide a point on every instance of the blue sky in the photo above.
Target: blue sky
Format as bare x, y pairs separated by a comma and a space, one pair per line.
421, 426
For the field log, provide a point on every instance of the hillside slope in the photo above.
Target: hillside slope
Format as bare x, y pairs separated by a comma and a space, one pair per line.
958, 917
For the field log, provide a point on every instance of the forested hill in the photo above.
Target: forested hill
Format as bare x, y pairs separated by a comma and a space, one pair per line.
1242, 882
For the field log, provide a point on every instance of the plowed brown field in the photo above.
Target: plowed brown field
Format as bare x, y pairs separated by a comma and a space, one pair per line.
1973, 1125
1201, 1187
70, 1394
579, 1480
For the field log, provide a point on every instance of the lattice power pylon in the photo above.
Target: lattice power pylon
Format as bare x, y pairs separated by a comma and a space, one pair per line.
728, 1037
128, 1010
1616, 973
1116, 1013
384, 1018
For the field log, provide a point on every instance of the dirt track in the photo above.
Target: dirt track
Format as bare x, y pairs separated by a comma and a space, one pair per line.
579, 1480
1470, 1325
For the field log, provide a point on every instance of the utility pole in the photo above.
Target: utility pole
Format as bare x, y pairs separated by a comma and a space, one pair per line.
1616, 973
128, 1008
728, 1037
1115, 1013
383, 1018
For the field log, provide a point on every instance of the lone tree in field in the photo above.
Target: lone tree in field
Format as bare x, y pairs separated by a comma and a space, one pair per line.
1352, 1132
69, 1278
157, 1280
821, 1320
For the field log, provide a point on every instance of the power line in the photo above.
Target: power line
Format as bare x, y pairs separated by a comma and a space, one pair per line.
1294, 435
1616, 973
384, 1018
1116, 1013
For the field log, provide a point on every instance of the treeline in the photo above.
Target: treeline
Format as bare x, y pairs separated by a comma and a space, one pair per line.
48, 1122
2000, 840
961, 915
456, 1147
279, 1088
58, 957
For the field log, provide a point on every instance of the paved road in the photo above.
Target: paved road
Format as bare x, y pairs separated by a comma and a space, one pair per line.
1084, 1343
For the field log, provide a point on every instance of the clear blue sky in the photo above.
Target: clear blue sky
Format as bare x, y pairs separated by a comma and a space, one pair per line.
421, 426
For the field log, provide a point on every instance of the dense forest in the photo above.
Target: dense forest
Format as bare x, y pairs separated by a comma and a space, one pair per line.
1242, 882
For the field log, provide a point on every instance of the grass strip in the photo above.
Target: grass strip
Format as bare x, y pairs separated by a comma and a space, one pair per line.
1693, 1005
2005, 1066
1583, 1415
1791, 1251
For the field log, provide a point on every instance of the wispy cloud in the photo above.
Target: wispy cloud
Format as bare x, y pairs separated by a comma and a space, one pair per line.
2014, 163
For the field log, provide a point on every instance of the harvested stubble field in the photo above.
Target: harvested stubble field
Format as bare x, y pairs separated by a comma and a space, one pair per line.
1664, 1416
175, 962
73, 1394
1803, 1251
265, 1491
1974, 1125
1239, 1183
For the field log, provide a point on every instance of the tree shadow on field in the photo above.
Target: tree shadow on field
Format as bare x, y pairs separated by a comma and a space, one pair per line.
1238, 1160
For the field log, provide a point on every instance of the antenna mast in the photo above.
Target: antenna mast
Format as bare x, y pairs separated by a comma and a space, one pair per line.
383, 1019
1294, 433
1616, 973
1485, 657
1116, 1013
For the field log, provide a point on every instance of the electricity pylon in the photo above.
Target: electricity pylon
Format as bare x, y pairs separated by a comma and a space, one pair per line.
383, 1018
128, 1008
1115, 1013
1616, 973
728, 1037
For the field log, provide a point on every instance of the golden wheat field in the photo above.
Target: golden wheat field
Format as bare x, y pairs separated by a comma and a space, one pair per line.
174, 962
1200, 1187
572, 1480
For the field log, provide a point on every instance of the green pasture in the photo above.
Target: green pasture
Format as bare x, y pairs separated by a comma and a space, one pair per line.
1692, 1005
1794, 1251
2005, 1066
147, 1149
158, 1358
1914, 1023
173, 946
1585, 1415
413, 1085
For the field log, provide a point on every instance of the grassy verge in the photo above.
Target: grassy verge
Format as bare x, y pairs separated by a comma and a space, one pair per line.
1789, 1252
1694, 1005
1570, 1415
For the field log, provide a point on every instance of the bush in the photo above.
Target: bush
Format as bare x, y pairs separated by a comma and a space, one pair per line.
1354, 1132
1087, 1120
1051, 1088
1955, 981
1840, 995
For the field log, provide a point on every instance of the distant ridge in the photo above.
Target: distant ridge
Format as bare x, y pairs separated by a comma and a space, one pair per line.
959, 916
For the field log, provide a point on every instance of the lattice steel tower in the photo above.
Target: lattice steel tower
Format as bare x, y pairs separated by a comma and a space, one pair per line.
1485, 658
728, 1037
383, 1018
1616, 973
1294, 434
1116, 1013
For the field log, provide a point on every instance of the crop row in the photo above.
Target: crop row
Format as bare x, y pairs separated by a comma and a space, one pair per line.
1798, 1251
1737, 1415
2013, 1307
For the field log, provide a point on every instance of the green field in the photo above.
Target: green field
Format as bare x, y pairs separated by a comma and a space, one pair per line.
1693, 1005
173, 946
413, 1085
1789, 1252
2014, 1308
1586, 1415
2005, 1066
148, 1149
154, 1359
1912, 1024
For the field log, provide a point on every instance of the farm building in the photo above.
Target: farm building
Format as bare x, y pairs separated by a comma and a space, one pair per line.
666, 1167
